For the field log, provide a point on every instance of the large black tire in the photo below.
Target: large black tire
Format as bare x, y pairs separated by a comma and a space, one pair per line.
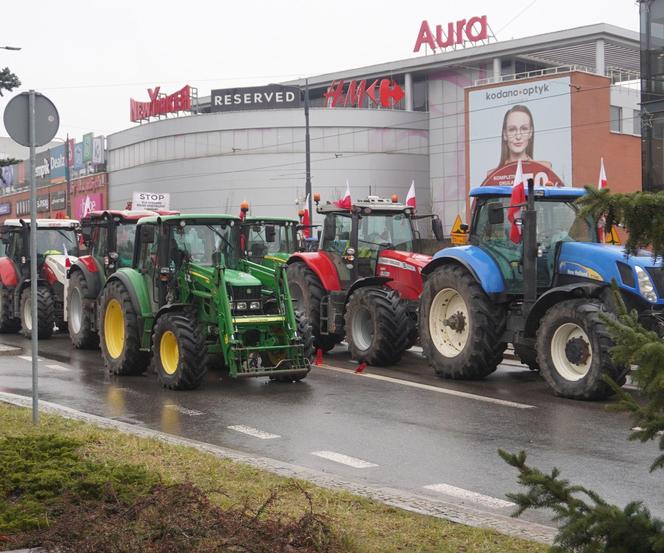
469, 346
307, 291
45, 312
527, 355
121, 342
81, 313
571, 364
304, 332
377, 326
179, 351
8, 322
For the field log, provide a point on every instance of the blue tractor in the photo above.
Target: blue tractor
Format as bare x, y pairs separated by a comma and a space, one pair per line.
544, 294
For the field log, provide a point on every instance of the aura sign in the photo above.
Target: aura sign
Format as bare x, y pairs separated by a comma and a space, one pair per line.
159, 105
383, 92
473, 30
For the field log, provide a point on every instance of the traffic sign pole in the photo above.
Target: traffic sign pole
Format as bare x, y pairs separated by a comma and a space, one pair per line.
33, 260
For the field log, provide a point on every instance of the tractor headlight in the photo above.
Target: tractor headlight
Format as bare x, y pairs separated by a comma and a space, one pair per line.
241, 306
646, 287
254, 305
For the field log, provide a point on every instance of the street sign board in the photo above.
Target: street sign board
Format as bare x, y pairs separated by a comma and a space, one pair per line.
16, 119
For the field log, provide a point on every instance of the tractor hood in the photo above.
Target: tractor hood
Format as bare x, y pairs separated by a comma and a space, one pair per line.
238, 278
603, 262
58, 264
398, 259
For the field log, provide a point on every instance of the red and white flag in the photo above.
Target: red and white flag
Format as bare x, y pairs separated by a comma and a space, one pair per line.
345, 202
410, 198
518, 198
306, 220
601, 182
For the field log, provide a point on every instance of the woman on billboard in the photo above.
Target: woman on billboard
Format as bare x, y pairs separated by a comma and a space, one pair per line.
517, 142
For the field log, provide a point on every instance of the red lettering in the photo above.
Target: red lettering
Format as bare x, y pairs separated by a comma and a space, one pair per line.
153, 94
459, 31
356, 93
390, 93
334, 93
371, 91
483, 33
450, 36
424, 36
178, 101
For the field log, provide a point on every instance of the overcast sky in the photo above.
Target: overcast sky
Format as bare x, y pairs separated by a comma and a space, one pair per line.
90, 57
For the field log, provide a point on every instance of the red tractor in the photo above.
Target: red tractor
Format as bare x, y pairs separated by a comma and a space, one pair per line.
109, 236
364, 281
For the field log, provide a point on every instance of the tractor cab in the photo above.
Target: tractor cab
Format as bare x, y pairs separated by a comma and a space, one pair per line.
270, 240
558, 221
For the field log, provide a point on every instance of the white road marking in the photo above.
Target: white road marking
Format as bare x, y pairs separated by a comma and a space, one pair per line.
58, 368
344, 459
430, 388
253, 432
470, 496
184, 410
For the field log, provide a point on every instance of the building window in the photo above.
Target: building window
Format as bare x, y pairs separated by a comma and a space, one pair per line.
616, 119
636, 121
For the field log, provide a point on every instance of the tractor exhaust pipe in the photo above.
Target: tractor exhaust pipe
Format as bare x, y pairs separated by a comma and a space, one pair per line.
529, 251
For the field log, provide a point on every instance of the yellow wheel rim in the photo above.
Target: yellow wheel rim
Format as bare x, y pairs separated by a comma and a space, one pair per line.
169, 352
114, 329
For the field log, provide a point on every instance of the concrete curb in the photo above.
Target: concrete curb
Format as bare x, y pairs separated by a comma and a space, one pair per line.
408, 501
6, 349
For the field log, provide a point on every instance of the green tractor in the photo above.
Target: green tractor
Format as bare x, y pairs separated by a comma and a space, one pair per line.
190, 297
270, 241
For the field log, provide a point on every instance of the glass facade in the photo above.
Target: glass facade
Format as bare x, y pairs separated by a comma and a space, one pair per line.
652, 93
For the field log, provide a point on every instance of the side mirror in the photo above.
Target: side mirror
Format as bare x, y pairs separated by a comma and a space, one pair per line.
148, 234
270, 233
437, 229
496, 215
329, 228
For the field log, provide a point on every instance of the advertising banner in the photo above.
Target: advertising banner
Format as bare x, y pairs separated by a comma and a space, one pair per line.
273, 96
58, 201
42, 168
70, 152
57, 164
43, 204
19, 175
530, 121
23, 207
85, 203
87, 147
98, 150
78, 156
7, 176
5, 208
150, 201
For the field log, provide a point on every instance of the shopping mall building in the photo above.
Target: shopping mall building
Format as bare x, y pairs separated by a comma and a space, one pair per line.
455, 113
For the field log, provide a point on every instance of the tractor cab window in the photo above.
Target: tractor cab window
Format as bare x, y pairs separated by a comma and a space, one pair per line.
390, 231
341, 240
147, 256
99, 241
56, 241
15, 246
205, 244
124, 243
258, 243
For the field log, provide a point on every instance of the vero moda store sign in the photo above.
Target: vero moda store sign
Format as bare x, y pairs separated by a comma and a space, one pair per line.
272, 96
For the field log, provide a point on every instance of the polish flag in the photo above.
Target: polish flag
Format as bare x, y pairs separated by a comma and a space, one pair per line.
306, 220
601, 182
345, 202
518, 197
410, 198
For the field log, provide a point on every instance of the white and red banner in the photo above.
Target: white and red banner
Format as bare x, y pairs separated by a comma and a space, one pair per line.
345, 202
410, 198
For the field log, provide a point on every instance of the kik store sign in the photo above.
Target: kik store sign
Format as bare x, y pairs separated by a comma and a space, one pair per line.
384, 92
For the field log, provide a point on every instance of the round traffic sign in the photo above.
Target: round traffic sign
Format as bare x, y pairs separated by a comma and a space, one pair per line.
17, 121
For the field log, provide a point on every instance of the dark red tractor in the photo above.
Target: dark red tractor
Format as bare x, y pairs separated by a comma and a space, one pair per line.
364, 282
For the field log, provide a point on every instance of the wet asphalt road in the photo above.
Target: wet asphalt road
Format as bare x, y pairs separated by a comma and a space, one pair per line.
415, 435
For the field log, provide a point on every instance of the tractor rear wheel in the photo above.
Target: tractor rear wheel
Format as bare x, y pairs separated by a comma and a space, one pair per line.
8, 323
307, 291
119, 332
573, 345
179, 351
45, 312
304, 332
377, 326
460, 328
80, 313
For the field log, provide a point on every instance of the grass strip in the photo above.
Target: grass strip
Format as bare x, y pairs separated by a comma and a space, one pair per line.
145, 473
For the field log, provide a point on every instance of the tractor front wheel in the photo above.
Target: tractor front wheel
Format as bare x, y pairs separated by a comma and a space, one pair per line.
460, 328
179, 351
8, 323
45, 312
80, 313
119, 332
573, 345
304, 332
307, 292
377, 326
